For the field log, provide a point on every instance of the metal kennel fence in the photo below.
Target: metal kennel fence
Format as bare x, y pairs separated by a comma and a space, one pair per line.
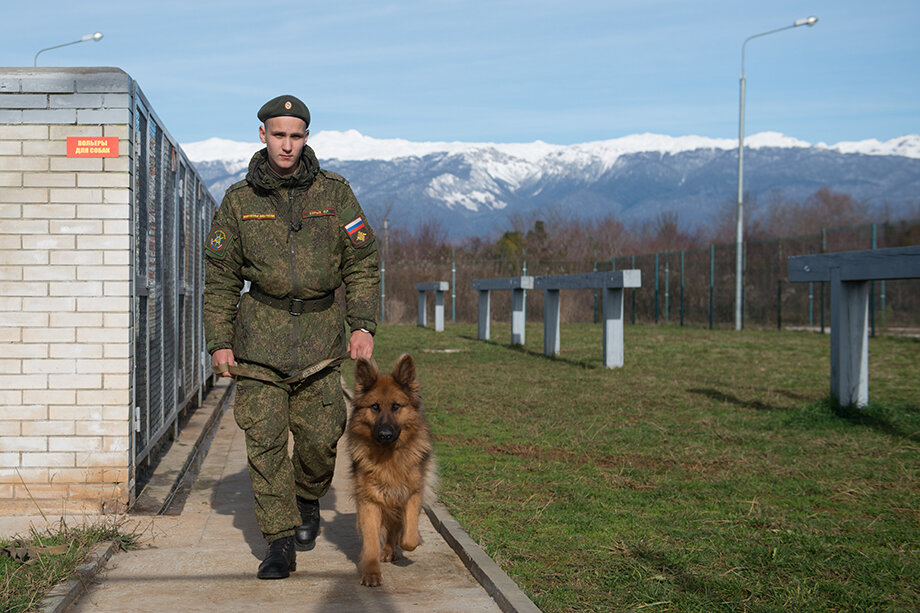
172, 212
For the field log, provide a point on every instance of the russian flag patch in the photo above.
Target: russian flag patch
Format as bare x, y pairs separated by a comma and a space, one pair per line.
356, 231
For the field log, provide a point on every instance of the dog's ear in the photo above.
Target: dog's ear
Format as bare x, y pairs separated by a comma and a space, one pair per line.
365, 375
404, 372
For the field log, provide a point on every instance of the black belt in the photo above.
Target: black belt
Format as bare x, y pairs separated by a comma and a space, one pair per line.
294, 306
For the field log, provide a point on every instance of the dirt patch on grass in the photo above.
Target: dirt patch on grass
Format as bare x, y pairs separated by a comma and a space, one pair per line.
631, 461
531, 452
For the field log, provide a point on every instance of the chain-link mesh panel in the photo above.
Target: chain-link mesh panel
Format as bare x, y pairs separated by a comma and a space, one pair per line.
172, 213
156, 292
141, 243
170, 293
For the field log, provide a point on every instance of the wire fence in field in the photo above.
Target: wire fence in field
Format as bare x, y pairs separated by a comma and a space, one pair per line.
692, 287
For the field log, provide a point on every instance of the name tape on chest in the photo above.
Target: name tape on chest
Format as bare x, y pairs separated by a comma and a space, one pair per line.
327, 212
251, 216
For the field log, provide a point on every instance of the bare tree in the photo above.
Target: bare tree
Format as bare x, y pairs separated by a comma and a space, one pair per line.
823, 209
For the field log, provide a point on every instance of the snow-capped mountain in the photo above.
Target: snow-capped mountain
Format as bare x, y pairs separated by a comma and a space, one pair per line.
475, 188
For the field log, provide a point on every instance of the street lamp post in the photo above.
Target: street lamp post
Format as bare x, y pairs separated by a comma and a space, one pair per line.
739, 231
96, 37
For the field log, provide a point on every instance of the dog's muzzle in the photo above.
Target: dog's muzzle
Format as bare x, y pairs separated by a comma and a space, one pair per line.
386, 433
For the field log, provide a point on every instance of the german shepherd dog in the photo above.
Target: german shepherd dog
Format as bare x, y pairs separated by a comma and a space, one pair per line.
392, 462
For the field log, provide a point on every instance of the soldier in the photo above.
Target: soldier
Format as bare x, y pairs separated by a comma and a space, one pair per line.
296, 232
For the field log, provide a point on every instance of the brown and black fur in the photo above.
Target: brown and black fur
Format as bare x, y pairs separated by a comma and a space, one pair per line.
392, 462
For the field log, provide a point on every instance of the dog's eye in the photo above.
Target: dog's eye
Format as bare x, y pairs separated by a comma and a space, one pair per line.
375, 408
396, 406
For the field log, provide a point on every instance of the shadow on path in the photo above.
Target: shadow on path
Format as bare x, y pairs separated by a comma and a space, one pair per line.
232, 495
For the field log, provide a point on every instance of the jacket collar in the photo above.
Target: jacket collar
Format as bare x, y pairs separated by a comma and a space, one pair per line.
262, 176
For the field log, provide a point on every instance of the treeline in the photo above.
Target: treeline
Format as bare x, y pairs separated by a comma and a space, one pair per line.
688, 274
557, 237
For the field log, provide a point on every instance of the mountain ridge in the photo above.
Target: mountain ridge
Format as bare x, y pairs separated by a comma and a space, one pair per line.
351, 145
481, 188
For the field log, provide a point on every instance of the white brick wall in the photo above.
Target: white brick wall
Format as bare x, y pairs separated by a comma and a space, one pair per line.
65, 287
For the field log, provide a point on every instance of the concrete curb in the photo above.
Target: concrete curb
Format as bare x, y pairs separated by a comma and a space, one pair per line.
493, 579
186, 453
65, 594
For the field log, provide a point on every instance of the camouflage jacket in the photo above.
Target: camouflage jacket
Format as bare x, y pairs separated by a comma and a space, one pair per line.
300, 237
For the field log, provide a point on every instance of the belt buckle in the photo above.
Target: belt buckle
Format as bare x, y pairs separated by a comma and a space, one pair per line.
291, 306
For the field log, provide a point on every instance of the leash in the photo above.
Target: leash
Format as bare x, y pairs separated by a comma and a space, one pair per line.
285, 383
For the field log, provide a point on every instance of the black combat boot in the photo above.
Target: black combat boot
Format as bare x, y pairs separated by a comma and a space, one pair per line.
280, 561
305, 533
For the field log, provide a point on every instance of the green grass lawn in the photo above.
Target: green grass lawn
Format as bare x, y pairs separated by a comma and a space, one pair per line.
709, 473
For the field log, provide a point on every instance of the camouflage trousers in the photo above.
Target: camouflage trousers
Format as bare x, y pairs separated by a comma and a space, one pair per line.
315, 413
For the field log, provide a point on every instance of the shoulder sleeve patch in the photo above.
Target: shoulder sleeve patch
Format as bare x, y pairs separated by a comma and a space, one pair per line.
218, 241
358, 231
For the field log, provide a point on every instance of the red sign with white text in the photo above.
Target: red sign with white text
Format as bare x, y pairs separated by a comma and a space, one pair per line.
92, 146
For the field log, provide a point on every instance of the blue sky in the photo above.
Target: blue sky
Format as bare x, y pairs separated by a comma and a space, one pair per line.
500, 70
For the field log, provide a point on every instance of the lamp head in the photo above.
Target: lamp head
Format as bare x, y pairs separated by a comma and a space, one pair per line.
95, 37
807, 21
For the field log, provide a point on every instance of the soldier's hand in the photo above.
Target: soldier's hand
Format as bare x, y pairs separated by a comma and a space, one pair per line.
223, 356
361, 345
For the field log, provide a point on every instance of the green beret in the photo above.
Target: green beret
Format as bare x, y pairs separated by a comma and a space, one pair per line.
284, 106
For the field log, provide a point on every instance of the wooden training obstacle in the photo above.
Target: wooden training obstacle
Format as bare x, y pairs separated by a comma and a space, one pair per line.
518, 287
849, 273
438, 287
611, 284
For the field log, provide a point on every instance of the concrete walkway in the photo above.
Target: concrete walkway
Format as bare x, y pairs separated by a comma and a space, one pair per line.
202, 555
205, 558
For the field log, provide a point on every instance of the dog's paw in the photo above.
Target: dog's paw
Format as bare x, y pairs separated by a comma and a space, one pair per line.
410, 543
371, 579
389, 554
